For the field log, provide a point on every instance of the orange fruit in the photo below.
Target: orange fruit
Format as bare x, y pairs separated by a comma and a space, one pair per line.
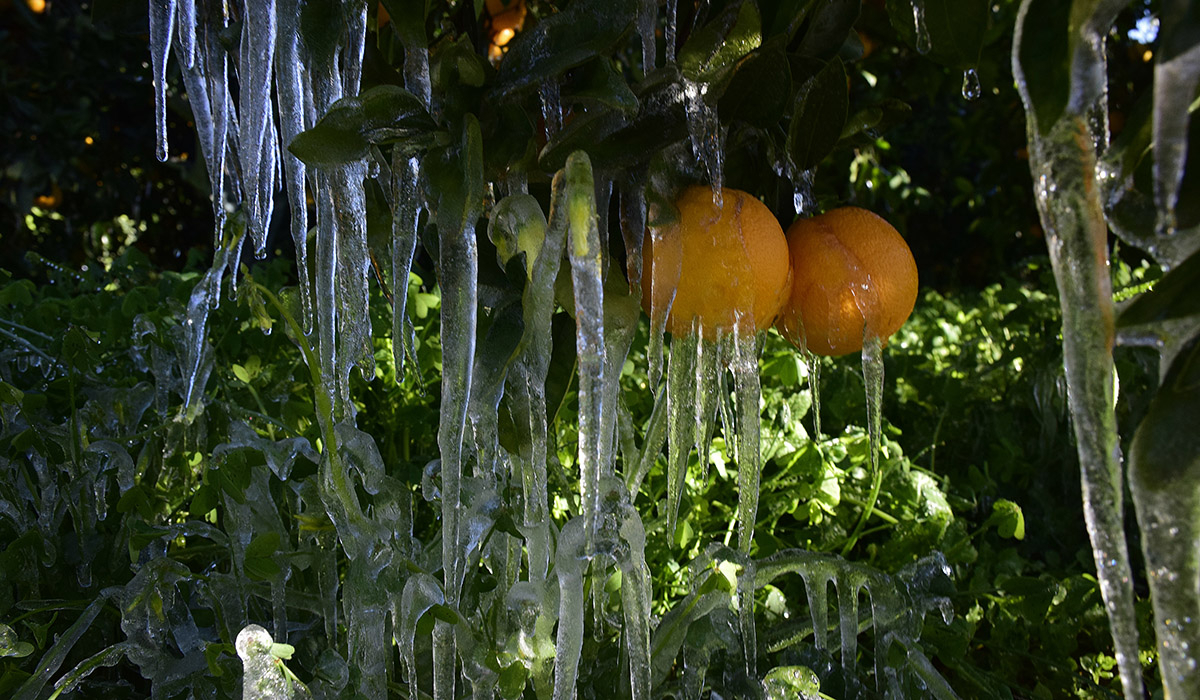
732, 265
853, 276
506, 17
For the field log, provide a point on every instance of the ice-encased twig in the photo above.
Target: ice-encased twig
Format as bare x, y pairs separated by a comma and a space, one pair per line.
1062, 160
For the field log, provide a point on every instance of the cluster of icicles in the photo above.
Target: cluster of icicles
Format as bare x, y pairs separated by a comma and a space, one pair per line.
243, 138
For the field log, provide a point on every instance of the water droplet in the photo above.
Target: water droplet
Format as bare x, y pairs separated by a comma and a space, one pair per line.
971, 90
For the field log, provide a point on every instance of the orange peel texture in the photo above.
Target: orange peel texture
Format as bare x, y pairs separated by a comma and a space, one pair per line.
854, 276
728, 268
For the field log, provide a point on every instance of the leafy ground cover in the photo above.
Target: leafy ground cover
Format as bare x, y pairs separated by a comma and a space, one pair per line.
134, 531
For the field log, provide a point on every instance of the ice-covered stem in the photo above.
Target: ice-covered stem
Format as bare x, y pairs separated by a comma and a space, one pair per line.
1062, 159
587, 274
1164, 468
458, 266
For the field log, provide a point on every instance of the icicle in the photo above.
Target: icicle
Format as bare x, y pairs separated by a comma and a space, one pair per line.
325, 290
681, 428
814, 389
549, 92
921, 29
586, 272
709, 362
1174, 86
570, 563
256, 56
872, 364
538, 304
421, 592
802, 197
656, 435
746, 585
290, 90
633, 230
664, 282
706, 134
847, 591
647, 23
353, 276
748, 393
971, 90
458, 258
162, 23
406, 219
635, 584
186, 33
356, 42
672, 17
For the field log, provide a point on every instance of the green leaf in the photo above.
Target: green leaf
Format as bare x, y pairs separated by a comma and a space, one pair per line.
10, 394
408, 19
513, 680
818, 116
758, 91
1044, 55
384, 114
953, 29
831, 24
586, 28
204, 501
1174, 296
19, 293
713, 51
1008, 519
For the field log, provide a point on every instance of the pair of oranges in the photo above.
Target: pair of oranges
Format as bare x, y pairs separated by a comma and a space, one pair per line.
832, 281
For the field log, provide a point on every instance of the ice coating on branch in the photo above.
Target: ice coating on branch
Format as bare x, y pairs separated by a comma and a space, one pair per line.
549, 93
256, 138
162, 24
671, 31
262, 678
1062, 161
706, 134
647, 23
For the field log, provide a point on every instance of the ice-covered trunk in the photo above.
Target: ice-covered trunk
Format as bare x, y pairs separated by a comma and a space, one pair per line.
1062, 159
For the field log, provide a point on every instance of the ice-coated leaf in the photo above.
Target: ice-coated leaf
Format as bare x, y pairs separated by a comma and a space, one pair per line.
382, 115
818, 116
598, 82
713, 50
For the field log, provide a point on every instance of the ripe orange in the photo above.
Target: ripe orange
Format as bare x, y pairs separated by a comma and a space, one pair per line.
732, 265
853, 276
